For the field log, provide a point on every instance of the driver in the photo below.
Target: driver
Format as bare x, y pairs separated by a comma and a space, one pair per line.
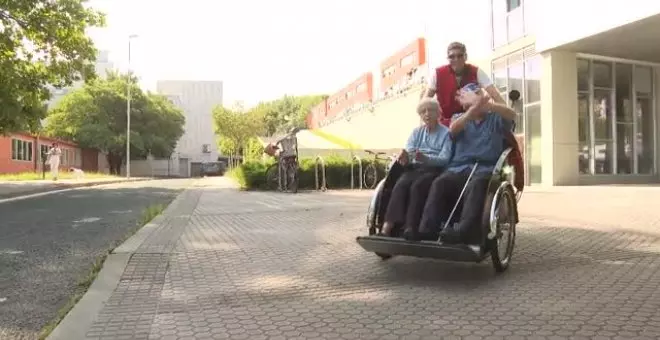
479, 135
444, 81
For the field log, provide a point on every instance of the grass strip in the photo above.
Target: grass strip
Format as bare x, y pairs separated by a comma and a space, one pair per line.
86, 281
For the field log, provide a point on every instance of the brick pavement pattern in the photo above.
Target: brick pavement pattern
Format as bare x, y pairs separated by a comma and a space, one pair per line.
245, 265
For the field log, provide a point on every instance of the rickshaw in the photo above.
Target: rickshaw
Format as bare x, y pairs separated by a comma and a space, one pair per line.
500, 216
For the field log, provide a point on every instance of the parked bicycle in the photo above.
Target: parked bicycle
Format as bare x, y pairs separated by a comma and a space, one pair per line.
370, 174
283, 175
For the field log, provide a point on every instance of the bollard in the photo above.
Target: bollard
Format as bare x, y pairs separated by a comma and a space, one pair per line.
323, 185
356, 158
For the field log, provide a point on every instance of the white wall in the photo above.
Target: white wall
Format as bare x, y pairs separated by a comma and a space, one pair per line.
387, 127
565, 21
197, 99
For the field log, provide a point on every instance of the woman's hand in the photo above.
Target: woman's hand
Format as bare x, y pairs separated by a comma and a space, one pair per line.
403, 158
420, 157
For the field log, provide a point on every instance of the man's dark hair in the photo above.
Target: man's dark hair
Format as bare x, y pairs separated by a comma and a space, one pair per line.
457, 46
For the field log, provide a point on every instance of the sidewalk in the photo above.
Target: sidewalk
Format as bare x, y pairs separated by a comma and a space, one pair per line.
225, 264
13, 189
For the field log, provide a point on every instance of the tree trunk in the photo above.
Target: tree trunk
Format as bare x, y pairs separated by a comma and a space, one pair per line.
114, 162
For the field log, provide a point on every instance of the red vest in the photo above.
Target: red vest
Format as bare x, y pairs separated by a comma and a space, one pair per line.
445, 91
446, 87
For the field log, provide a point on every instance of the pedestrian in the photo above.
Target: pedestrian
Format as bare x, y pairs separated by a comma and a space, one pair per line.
54, 154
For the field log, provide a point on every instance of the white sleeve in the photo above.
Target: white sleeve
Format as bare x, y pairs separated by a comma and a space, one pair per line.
433, 80
483, 79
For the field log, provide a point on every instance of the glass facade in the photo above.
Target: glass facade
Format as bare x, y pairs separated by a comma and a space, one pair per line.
508, 21
616, 121
522, 71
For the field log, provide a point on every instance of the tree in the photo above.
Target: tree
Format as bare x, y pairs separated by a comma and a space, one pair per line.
94, 116
235, 129
280, 115
42, 43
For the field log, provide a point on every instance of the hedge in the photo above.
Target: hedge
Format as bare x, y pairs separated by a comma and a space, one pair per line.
251, 175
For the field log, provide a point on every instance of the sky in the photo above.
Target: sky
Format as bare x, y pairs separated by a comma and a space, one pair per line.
264, 49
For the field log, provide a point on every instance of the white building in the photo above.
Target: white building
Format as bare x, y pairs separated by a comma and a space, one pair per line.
197, 100
102, 66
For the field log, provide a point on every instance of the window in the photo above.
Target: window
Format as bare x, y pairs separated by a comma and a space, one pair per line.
408, 60
508, 21
21, 150
616, 123
512, 4
388, 71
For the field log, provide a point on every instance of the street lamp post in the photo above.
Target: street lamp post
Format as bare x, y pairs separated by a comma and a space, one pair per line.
128, 110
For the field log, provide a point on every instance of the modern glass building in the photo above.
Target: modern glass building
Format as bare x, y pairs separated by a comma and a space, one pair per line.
588, 72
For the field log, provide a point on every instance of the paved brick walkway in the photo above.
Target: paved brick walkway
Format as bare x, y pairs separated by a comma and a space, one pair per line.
243, 265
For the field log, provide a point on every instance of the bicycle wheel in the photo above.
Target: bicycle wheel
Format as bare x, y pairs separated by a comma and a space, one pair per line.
370, 178
272, 182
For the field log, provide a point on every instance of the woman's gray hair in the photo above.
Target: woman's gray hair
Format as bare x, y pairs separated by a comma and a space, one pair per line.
428, 103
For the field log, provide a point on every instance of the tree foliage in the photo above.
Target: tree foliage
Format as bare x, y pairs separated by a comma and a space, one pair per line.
237, 128
42, 43
94, 116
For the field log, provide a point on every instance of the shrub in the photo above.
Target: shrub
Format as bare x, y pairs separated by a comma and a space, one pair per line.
251, 175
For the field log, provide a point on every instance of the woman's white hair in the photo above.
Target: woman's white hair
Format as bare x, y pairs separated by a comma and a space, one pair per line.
428, 103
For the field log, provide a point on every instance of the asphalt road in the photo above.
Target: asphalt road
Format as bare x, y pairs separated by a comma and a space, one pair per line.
48, 243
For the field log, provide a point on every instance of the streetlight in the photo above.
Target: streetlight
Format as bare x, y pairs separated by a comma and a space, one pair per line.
128, 110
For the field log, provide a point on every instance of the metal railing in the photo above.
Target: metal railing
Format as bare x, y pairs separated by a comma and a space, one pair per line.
359, 161
322, 186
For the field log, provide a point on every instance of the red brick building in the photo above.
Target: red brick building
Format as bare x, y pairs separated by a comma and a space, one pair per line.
358, 92
398, 66
21, 152
395, 70
317, 113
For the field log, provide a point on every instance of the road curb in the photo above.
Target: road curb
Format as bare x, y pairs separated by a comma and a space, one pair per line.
80, 319
62, 188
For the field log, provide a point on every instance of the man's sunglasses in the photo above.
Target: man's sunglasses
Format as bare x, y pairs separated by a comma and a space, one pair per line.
456, 56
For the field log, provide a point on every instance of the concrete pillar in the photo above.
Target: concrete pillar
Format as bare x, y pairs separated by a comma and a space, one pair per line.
559, 119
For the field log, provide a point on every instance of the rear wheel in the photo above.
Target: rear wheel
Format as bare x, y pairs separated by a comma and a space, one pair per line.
272, 182
504, 214
370, 178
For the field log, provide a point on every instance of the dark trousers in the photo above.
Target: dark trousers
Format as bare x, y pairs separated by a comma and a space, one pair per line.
443, 194
409, 195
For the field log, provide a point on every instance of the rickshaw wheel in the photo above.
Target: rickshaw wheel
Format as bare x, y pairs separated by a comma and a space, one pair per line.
501, 247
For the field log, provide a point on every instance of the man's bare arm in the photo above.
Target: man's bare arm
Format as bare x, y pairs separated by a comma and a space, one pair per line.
428, 92
502, 109
495, 94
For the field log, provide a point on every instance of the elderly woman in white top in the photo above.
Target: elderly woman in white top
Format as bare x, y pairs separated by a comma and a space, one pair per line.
54, 155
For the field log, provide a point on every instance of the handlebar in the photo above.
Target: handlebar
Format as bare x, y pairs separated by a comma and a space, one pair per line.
375, 153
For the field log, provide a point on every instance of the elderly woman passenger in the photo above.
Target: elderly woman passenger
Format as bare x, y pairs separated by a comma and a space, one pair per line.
427, 152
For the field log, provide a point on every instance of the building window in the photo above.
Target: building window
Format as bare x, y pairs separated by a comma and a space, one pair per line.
408, 60
21, 150
521, 71
508, 21
512, 4
616, 124
389, 71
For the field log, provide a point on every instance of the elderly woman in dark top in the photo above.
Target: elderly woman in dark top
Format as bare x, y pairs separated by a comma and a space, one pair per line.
427, 152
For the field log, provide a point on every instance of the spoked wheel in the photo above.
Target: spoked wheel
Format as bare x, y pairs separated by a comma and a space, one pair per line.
272, 182
504, 215
370, 178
